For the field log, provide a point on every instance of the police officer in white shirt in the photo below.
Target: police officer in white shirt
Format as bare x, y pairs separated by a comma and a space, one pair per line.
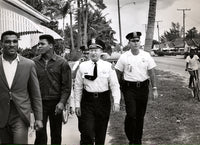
135, 68
94, 80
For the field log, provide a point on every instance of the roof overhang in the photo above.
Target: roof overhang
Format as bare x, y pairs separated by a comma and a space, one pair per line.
27, 9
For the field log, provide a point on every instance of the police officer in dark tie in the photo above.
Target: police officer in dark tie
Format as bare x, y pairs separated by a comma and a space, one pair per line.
136, 68
94, 80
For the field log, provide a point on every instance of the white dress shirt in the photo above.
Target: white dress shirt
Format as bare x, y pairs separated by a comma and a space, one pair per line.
106, 80
135, 67
10, 69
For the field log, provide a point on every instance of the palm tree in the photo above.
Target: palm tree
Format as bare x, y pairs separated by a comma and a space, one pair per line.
79, 24
150, 26
71, 29
84, 7
85, 24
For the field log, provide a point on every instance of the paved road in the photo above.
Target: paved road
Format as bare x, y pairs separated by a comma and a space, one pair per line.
174, 64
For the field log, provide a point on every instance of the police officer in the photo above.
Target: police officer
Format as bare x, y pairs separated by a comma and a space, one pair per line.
136, 67
94, 80
84, 57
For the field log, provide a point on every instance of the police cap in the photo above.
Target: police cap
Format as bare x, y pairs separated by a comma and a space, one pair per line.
96, 44
133, 35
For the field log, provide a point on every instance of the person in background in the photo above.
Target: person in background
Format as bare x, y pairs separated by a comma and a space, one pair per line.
94, 80
19, 93
135, 68
192, 65
54, 75
75, 67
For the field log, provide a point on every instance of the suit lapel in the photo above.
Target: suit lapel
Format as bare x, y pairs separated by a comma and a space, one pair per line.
18, 71
2, 74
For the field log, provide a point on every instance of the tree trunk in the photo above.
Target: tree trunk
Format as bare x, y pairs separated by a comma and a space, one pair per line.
85, 25
150, 25
79, 25
71, 29
63, 28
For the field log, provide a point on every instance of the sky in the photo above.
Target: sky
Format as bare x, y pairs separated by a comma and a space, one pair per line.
134, 17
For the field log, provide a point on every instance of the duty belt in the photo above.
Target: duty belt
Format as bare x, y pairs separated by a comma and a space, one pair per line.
95, 94
137, 84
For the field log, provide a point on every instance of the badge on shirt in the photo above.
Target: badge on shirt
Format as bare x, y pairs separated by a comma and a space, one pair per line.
130, 68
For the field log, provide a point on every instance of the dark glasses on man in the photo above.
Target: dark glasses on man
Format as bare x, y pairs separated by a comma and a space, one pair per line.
134, 40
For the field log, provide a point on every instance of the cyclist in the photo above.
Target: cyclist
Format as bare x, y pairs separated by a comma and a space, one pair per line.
192, 62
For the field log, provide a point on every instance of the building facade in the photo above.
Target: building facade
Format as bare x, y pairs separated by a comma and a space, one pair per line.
18, 16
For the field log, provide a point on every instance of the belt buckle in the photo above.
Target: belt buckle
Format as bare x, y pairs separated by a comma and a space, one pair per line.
138, 84
96, 95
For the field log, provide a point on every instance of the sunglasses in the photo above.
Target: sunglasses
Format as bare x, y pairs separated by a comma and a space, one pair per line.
134, 40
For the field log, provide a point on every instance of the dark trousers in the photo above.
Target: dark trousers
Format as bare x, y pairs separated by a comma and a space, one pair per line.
95, 111
55, 122
16, 131
136, 98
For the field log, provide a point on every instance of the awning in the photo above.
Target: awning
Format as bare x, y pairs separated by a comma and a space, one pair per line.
46, 30
18, 23
29, 31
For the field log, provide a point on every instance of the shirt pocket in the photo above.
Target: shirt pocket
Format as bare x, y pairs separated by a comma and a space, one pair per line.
144, 63
104, 74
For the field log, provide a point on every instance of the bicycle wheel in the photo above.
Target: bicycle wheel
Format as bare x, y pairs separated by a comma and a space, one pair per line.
197, 89
194, 91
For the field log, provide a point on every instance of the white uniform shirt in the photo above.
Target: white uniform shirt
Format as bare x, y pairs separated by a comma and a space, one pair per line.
135, 67
10, 70
192, 62
106, 80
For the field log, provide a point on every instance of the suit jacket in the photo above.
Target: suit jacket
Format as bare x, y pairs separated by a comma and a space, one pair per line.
24, 92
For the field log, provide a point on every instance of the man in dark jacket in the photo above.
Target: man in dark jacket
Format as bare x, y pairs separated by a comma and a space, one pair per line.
54, 75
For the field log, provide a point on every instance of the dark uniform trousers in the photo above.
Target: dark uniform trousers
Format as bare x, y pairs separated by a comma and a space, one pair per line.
95, 112
136, 97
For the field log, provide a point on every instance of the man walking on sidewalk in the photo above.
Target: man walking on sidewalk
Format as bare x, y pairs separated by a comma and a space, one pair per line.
94, 80
19, 93
54, 75
135, 68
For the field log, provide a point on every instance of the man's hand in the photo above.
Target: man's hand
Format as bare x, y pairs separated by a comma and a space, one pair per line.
59, 108
116, 107
78, 111
38, 125
155, 93
71, 110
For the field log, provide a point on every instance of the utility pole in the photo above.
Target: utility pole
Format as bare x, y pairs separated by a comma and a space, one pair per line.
119, 18
145, 27
158, 30
183, 20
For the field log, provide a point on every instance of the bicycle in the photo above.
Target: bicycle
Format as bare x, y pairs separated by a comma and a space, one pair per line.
195, 84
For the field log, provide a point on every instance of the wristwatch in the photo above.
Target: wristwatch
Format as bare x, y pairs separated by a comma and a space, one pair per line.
154, 88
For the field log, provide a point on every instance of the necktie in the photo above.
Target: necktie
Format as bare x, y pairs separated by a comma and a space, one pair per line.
89, 77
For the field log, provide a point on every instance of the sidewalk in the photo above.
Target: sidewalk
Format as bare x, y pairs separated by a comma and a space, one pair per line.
70, 133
